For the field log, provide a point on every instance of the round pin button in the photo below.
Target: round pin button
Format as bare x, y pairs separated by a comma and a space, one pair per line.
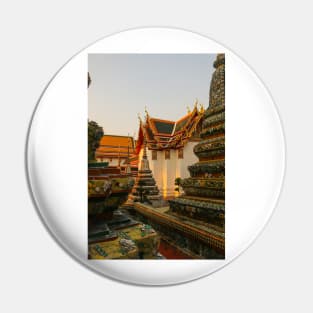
155, 156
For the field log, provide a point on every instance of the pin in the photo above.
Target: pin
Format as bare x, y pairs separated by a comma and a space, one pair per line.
189, 191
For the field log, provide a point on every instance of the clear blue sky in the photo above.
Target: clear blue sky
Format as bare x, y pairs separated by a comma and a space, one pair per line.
123, 84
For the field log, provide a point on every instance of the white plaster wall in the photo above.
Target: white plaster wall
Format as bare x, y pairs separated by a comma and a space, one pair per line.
189, 158
171, 173
165, 171
158, 169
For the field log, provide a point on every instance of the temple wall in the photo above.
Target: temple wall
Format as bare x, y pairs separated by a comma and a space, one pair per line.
170, 175
166, 170
189, 159
157, 168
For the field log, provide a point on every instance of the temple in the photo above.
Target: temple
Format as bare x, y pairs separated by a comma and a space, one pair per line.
162, 195
194, 222
117, 152
170, 147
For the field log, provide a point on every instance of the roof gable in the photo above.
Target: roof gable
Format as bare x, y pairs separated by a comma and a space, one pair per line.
164, 127
179, 125
166, 134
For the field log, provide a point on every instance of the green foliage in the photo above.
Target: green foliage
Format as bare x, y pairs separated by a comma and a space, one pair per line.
95, 132
178, 181
94, 164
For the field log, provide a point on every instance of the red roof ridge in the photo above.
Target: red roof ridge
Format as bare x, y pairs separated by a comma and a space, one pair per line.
183, 117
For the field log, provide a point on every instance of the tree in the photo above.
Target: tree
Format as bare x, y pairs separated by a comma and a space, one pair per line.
95, 133
178, 182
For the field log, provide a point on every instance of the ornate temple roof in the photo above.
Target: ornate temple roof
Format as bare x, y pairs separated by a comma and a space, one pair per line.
165, 134
114, 146
161, 126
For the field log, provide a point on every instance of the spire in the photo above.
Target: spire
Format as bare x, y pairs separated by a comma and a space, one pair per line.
139, 118
196, 104
217, 88
144, 166
205, 189
145, 188
220, 60
128, 167
144, 149
146, 111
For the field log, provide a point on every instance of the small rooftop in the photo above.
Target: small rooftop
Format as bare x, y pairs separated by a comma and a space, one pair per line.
117, 140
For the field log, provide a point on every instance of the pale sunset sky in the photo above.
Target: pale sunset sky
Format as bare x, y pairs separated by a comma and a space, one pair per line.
123, 84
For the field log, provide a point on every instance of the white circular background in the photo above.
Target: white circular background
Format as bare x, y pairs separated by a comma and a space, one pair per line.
57, 158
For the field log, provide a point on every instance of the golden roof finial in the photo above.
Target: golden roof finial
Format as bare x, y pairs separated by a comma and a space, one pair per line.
139, 117
146, 111
201, 108
196, 103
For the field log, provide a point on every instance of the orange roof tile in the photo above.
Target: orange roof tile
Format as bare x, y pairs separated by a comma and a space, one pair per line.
115, 140
113, 145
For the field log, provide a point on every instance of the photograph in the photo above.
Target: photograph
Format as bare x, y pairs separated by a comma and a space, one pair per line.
117, 147
156, 156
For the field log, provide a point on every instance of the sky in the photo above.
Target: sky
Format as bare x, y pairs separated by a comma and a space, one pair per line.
122, 85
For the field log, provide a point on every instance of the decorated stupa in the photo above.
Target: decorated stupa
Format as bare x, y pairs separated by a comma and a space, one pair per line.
204, 192
145, 188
